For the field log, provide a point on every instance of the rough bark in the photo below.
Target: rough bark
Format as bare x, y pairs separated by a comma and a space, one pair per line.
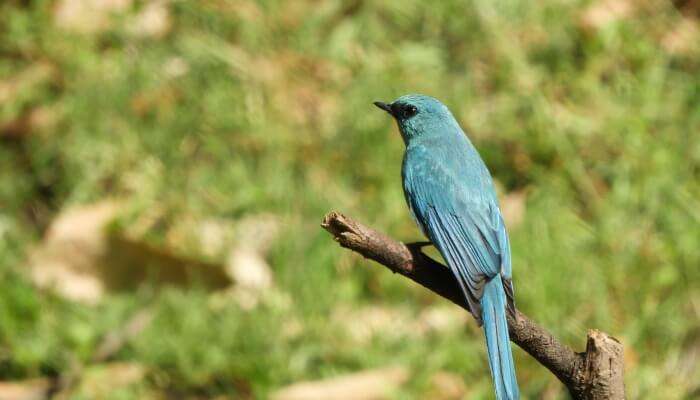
595, 374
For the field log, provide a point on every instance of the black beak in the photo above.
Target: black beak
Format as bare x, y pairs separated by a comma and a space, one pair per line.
384, 106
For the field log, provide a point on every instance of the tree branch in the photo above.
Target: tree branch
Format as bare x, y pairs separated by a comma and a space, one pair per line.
595, 374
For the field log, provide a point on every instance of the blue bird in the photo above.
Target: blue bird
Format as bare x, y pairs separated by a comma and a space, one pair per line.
451, 196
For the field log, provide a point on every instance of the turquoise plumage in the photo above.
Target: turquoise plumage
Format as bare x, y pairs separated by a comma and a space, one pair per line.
451, 196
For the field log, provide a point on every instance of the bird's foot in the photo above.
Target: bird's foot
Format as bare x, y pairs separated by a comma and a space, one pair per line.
418, 245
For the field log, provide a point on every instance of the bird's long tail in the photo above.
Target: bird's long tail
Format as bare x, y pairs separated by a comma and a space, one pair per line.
493, 306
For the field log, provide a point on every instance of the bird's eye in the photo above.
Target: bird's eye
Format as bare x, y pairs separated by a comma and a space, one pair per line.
409, 111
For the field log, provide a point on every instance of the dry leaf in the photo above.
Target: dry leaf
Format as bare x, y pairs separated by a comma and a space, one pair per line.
363, 324
88, 16
212, 235
152, 21
683, 39
446, 386
79, 260
367, 385
442, 318
176, 67
688, 7
83, 224
248, 269
73, 244
604, 12
513, 208
35, 75
246, 264
37, 119
31, 389
246, 10
258, 231
251, 274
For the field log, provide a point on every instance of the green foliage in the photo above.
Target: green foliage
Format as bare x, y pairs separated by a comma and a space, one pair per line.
243, 108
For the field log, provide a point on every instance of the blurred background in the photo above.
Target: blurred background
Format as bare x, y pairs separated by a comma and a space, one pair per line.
165, 165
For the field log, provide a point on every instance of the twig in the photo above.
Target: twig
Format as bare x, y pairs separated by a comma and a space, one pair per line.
593, 375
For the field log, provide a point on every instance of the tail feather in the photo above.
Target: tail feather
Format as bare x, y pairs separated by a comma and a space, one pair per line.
493, 306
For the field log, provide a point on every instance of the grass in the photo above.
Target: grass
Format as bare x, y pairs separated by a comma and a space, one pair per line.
248, 108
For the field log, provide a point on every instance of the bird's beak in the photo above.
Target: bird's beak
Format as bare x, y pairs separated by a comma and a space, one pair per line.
384, 106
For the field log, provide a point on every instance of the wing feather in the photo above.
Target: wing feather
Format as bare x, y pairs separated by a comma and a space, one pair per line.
470, 235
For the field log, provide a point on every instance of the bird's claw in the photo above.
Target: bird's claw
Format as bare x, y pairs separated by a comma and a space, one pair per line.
418, 245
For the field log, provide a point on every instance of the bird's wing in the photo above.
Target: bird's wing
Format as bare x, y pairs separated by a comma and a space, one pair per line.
469, 233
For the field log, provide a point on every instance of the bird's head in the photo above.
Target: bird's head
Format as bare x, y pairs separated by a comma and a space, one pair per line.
419, 116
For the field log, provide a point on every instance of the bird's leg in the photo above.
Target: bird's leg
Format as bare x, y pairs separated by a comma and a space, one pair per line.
416, 249
418, 246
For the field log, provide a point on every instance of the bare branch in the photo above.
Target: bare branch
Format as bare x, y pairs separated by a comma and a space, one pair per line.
593, 375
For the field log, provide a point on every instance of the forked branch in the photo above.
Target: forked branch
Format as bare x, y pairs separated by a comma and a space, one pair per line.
595, 374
